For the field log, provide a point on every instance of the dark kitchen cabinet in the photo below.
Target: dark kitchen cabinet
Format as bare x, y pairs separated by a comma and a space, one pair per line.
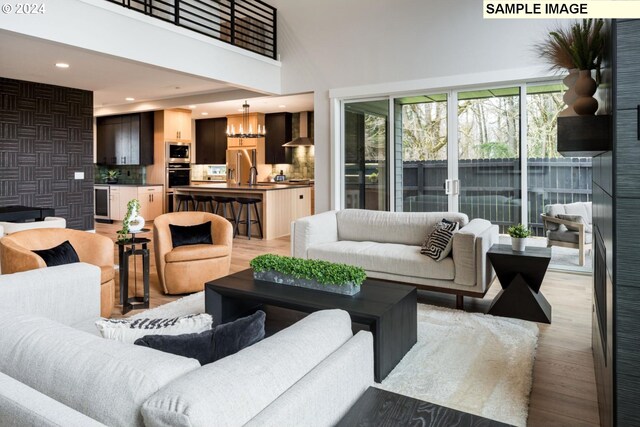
211, 141
279, 131
125, 139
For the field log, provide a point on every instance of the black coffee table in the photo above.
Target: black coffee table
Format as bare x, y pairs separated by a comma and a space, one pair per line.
520, 275
381, 408
389, 309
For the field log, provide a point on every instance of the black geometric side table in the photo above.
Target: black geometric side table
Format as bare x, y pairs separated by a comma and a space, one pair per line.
520, 275
126, 249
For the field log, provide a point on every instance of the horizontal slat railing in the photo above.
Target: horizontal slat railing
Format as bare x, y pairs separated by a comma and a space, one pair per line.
249, 24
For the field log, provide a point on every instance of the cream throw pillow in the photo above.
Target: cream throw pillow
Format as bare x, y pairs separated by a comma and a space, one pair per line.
129, 330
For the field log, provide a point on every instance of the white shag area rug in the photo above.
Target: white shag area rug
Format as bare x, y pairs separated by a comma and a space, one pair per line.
471, 362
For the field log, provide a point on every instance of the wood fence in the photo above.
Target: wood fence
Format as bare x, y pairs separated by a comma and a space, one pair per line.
490, 188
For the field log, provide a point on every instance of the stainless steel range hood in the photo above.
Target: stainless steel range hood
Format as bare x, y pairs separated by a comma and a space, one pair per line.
303, 140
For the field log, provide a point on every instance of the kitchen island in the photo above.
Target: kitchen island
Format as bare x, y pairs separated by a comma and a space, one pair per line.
281, 204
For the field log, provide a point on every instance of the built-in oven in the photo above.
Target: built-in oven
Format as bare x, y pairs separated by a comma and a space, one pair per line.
102, 198
179, 152
178, 174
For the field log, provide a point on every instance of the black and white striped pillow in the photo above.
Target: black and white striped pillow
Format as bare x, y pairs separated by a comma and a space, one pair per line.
438, 244
129, 330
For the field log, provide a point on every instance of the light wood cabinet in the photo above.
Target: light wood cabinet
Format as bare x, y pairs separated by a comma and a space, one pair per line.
120, 196
150, 198
235, 121
300, 202
114, 203
150, 202
177, 125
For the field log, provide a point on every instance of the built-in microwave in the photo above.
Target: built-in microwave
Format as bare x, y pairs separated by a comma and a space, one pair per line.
178, 152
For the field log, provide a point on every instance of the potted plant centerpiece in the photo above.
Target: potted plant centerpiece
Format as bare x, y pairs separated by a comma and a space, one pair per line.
519, 234
578, 49
132, 221
308, 273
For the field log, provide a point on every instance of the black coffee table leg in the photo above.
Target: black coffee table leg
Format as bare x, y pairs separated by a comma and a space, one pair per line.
225, 309
520, 301
394, 334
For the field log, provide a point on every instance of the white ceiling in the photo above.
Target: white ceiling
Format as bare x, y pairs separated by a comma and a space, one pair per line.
111, 79
265, 104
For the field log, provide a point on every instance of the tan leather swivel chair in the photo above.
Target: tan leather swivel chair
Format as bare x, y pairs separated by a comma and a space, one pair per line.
16, 255
186, 269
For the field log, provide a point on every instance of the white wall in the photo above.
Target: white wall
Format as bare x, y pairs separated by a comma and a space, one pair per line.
100, 26
333, 44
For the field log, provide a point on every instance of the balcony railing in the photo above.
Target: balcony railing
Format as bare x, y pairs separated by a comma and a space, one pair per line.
249, 24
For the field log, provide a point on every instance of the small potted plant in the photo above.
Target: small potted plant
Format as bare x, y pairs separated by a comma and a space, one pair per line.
111, 176
132, 221
519, 234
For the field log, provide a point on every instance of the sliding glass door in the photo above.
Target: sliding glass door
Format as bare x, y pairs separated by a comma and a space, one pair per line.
423, 138
489, 153
366, 154
489, 167
551, 177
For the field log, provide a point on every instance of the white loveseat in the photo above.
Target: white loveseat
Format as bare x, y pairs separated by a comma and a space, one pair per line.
55, 370
387, 245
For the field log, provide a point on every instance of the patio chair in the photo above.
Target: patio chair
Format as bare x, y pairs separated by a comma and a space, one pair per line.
569, 226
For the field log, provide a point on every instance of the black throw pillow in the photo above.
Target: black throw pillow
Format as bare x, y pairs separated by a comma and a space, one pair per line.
59, 255
214, 344
182, 235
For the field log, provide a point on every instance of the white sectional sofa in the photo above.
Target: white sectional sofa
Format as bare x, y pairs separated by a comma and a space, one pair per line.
387, 245
55, 370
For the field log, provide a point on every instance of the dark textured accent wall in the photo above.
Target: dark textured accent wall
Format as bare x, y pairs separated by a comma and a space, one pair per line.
46, 134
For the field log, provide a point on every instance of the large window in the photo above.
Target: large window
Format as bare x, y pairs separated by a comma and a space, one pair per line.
489, 155
551, 178
489, 152
366, 143
424, 142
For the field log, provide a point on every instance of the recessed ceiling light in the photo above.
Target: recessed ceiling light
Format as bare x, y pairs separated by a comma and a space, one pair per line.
240, 109
62, 65
282, 106
205, 113
129, 99
192, 106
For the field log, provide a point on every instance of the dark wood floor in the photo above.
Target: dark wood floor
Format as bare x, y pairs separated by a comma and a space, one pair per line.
564, 390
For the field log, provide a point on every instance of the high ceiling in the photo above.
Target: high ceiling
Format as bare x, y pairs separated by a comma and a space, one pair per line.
266, 104
111, 79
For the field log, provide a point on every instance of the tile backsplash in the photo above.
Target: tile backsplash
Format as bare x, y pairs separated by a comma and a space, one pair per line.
205, 172
128, 174
302, 166
303, 157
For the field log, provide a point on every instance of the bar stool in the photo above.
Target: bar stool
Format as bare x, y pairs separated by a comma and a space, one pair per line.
224, 201
204, 200
183, 198
247, 201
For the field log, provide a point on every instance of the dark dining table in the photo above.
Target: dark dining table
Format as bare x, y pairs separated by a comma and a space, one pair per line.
24, 213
